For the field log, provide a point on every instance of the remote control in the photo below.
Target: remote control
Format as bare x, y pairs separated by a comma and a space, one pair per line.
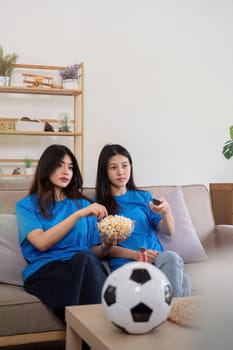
156, 201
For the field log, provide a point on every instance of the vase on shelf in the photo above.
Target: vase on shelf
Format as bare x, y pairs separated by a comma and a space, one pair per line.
70, 84
28, 171
4, 81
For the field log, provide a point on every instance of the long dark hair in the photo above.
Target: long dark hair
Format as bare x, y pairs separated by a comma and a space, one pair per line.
103, 186
43, 187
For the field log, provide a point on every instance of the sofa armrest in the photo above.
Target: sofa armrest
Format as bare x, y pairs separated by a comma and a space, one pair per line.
224, 235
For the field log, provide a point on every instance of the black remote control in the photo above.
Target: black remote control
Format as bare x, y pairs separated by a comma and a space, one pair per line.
156, 201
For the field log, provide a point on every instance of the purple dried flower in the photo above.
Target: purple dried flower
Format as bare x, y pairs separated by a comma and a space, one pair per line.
70, 72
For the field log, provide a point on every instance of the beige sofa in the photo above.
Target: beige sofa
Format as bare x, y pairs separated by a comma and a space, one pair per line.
25, 319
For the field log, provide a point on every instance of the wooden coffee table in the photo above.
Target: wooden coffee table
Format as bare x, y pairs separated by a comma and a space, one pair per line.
89, 323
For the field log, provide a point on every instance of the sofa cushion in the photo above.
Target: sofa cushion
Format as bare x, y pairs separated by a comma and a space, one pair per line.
184, 240
24, 313
198, 202
11, 260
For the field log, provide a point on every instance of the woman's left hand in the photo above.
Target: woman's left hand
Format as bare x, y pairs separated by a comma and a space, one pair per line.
151, 255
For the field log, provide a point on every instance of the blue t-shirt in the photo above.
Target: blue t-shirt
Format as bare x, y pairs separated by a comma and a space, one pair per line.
135, 205
82, 236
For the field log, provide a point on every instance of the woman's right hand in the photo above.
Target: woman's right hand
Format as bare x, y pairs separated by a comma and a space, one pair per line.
94, 209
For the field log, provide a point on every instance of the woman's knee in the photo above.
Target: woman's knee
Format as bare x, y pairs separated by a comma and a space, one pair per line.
171, 257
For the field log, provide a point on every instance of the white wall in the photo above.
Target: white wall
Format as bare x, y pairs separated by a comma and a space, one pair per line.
159, 78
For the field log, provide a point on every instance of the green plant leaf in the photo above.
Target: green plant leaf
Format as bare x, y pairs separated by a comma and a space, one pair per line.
228, 149
28, 162
7, 63
231, 132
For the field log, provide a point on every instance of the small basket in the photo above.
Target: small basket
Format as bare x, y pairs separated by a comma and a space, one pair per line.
29, 125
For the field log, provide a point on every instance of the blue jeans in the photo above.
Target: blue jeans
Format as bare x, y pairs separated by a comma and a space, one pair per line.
172, 265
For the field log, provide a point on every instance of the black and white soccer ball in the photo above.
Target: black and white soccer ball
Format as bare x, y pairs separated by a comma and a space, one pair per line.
137, 297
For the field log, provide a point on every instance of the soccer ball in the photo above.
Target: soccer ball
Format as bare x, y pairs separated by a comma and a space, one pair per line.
137, 297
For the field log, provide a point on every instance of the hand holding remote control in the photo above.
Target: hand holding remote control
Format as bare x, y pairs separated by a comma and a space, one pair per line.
156, 201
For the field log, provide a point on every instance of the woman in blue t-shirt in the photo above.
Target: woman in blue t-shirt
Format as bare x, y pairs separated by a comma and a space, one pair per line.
116, 190
57, 226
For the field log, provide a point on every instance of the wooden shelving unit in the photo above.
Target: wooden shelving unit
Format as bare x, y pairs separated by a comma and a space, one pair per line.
77, 119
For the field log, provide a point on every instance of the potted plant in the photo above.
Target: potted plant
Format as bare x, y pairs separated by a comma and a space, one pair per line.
7, 63
228, 146
28, 166
70, 76
64, 123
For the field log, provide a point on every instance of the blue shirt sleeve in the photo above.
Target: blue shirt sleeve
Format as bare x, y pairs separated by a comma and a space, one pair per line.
27, 218
155, 217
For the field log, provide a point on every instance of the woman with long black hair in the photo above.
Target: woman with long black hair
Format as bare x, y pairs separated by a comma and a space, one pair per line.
116, 190
56, 224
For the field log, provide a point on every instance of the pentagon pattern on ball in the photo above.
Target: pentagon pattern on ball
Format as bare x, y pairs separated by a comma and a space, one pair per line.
168, 294
110, 295
140, 276
141, 313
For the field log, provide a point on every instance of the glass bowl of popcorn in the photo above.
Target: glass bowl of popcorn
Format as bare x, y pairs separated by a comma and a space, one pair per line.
116, 226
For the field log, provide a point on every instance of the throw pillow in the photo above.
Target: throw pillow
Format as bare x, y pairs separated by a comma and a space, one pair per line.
184, 240
11, 260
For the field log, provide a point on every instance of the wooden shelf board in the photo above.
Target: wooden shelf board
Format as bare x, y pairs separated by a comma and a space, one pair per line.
39, 91
11, 175
41, 133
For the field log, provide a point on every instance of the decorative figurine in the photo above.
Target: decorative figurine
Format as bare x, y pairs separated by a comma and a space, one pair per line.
16, 171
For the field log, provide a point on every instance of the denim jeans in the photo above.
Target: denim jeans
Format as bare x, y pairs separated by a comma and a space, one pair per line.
172, 265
